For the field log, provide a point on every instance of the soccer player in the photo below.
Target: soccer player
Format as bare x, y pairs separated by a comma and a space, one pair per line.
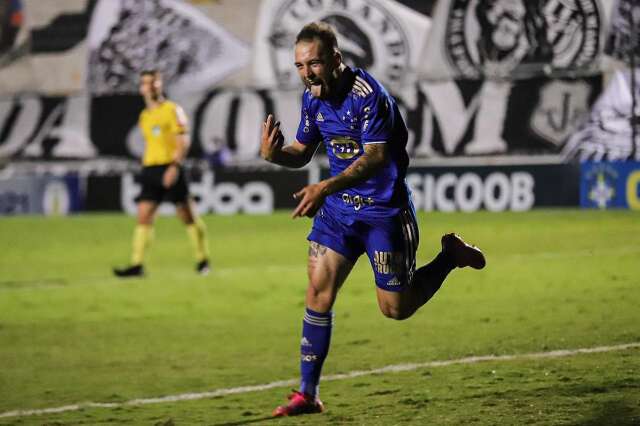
164, 126
364, 207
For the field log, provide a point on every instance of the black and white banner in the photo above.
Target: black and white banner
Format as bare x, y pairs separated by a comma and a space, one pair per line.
623, 39
128, 36
606, 134
515, 38
454, 118
384, 37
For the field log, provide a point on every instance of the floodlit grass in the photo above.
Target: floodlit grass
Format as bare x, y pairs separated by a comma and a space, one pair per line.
555, 279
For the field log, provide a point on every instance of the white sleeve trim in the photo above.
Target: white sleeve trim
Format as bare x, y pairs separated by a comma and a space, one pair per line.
372, 142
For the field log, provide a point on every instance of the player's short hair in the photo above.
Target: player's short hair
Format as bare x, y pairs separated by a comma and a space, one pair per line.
150, 71
321, 31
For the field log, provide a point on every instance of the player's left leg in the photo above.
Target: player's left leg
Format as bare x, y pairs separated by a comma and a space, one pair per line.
197, 232
402, 290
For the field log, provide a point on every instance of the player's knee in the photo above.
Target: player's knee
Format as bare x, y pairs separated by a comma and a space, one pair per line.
395, 312
319, 298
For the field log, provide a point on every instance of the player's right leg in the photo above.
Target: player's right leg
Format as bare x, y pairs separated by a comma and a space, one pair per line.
331, 258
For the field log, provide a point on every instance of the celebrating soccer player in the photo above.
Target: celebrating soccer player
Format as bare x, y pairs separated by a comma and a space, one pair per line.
164, 127
364, 207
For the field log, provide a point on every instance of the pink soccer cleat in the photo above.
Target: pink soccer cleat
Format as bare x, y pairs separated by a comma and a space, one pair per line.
299, 403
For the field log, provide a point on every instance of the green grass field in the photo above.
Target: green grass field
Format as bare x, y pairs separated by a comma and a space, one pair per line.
555, 279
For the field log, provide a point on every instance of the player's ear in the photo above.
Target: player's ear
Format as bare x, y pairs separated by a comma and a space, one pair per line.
337, 58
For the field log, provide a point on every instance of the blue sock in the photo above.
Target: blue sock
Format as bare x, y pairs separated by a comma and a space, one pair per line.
314, 347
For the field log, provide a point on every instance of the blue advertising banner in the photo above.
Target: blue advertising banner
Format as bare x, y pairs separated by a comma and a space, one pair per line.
610, 185
40, 195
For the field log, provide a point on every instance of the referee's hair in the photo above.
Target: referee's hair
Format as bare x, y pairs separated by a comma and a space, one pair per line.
319, 30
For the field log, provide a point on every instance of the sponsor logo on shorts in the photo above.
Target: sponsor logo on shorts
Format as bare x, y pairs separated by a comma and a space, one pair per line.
393, 282
387, 262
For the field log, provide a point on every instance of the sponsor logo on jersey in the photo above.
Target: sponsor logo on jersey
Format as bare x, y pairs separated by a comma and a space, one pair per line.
319, 117
344, 148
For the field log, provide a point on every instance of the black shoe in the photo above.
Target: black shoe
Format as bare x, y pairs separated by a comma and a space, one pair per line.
131, 271
202, 268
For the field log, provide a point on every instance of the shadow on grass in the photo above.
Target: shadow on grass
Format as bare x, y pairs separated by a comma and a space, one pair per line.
618, 413
246, 422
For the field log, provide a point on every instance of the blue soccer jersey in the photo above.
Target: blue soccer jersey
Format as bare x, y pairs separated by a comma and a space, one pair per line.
362, 112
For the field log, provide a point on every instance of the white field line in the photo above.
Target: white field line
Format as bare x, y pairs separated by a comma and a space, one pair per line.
344, 376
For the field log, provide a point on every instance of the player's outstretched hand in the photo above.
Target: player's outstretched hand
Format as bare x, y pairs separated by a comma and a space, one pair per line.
311, 198
272, 139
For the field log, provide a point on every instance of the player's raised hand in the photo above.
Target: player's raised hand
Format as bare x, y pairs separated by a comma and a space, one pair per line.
311, 198
272, 139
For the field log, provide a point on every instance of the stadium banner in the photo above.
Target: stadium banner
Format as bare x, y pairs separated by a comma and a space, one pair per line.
128, 36
623, 40
456, 118
614, 184
386, 38
496, 39
40, 195
218, 192
237, 191
42, 47
606, 134
492, 188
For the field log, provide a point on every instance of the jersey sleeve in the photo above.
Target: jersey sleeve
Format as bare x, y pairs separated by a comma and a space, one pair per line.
179, 122
308, 132
377, 118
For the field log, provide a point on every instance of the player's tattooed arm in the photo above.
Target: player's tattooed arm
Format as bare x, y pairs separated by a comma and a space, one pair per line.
273, 149
374, 158
312, 196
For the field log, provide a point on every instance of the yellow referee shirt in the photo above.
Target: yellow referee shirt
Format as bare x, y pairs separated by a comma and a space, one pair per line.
160, 126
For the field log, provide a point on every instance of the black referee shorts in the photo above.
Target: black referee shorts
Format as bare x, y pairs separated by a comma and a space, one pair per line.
153, 190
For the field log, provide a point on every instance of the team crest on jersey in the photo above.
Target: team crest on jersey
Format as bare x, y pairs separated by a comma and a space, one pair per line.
345, 148
369, 36
155, 130
511, 36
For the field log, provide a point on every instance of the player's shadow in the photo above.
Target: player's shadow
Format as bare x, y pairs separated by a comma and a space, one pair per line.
246, 422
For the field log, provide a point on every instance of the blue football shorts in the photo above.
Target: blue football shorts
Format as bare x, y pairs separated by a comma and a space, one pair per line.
390, 243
